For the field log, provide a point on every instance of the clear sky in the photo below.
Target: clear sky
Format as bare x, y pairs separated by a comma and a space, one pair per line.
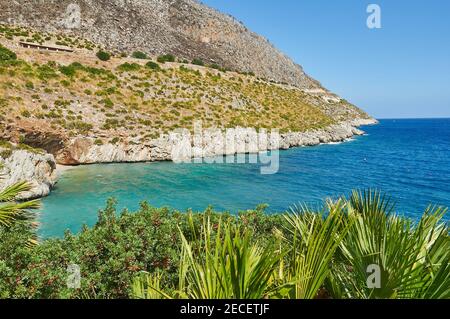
401, 70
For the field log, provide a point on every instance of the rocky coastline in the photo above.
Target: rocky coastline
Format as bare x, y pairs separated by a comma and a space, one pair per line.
37, 169
41, 169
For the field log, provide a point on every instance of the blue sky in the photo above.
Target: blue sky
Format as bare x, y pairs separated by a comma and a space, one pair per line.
401, 70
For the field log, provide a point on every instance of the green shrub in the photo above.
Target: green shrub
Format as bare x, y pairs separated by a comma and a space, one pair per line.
28, 148
69, 70
98, 142
128, 67
139, 55
110, 124
80, 126
103, 55
47, 71
303, 254
5, 153
198, 62
110, 254
166, 58
107, 102
5, 144
6, 54
153, 65
25, 113
29, 85
65, 83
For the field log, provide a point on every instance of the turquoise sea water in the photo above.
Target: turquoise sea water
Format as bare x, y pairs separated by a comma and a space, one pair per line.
409, 159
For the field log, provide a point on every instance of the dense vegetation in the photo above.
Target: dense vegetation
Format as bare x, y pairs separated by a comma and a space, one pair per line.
160, 253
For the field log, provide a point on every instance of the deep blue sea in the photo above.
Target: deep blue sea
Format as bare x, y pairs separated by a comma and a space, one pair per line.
409, 159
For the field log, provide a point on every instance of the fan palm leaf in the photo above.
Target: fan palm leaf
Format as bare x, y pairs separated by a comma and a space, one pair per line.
225, 264
314, 240
410, 258
11, 211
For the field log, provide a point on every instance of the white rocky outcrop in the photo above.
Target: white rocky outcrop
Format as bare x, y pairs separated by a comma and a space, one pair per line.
37, 169
362, 122
40, 169
209, 143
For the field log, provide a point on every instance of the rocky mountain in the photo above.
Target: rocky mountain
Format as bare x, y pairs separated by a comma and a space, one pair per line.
175, 63
184, 28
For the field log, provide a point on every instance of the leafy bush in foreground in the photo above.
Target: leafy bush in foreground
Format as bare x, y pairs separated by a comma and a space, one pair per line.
110, 254
328, 253
222, 263
227, 264
414, 259
161, 253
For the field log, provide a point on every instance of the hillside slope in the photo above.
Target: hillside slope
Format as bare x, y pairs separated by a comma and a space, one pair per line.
50, 98
184, 28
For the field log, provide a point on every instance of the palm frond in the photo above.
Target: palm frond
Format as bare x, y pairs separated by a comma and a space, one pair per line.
227, 266
12, 212
315, 238
407, 255
10, 193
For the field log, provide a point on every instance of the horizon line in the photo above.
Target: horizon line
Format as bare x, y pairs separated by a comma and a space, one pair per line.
414, 118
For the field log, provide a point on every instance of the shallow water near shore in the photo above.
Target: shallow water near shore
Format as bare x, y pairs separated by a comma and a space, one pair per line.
408, 159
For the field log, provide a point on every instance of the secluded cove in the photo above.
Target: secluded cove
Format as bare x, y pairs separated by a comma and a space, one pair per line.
408, 159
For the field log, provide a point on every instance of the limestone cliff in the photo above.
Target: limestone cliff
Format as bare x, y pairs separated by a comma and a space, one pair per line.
213, 142
37, 169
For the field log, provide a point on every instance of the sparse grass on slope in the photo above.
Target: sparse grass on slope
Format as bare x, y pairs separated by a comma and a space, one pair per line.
125, 98
144, 99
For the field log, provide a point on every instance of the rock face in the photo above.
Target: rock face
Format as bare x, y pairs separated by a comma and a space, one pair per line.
209, 143
37, 169
184, 28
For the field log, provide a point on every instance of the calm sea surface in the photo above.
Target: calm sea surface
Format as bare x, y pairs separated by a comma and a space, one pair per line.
409, 159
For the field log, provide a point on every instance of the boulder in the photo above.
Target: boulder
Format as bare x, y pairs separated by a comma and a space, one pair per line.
37, 169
